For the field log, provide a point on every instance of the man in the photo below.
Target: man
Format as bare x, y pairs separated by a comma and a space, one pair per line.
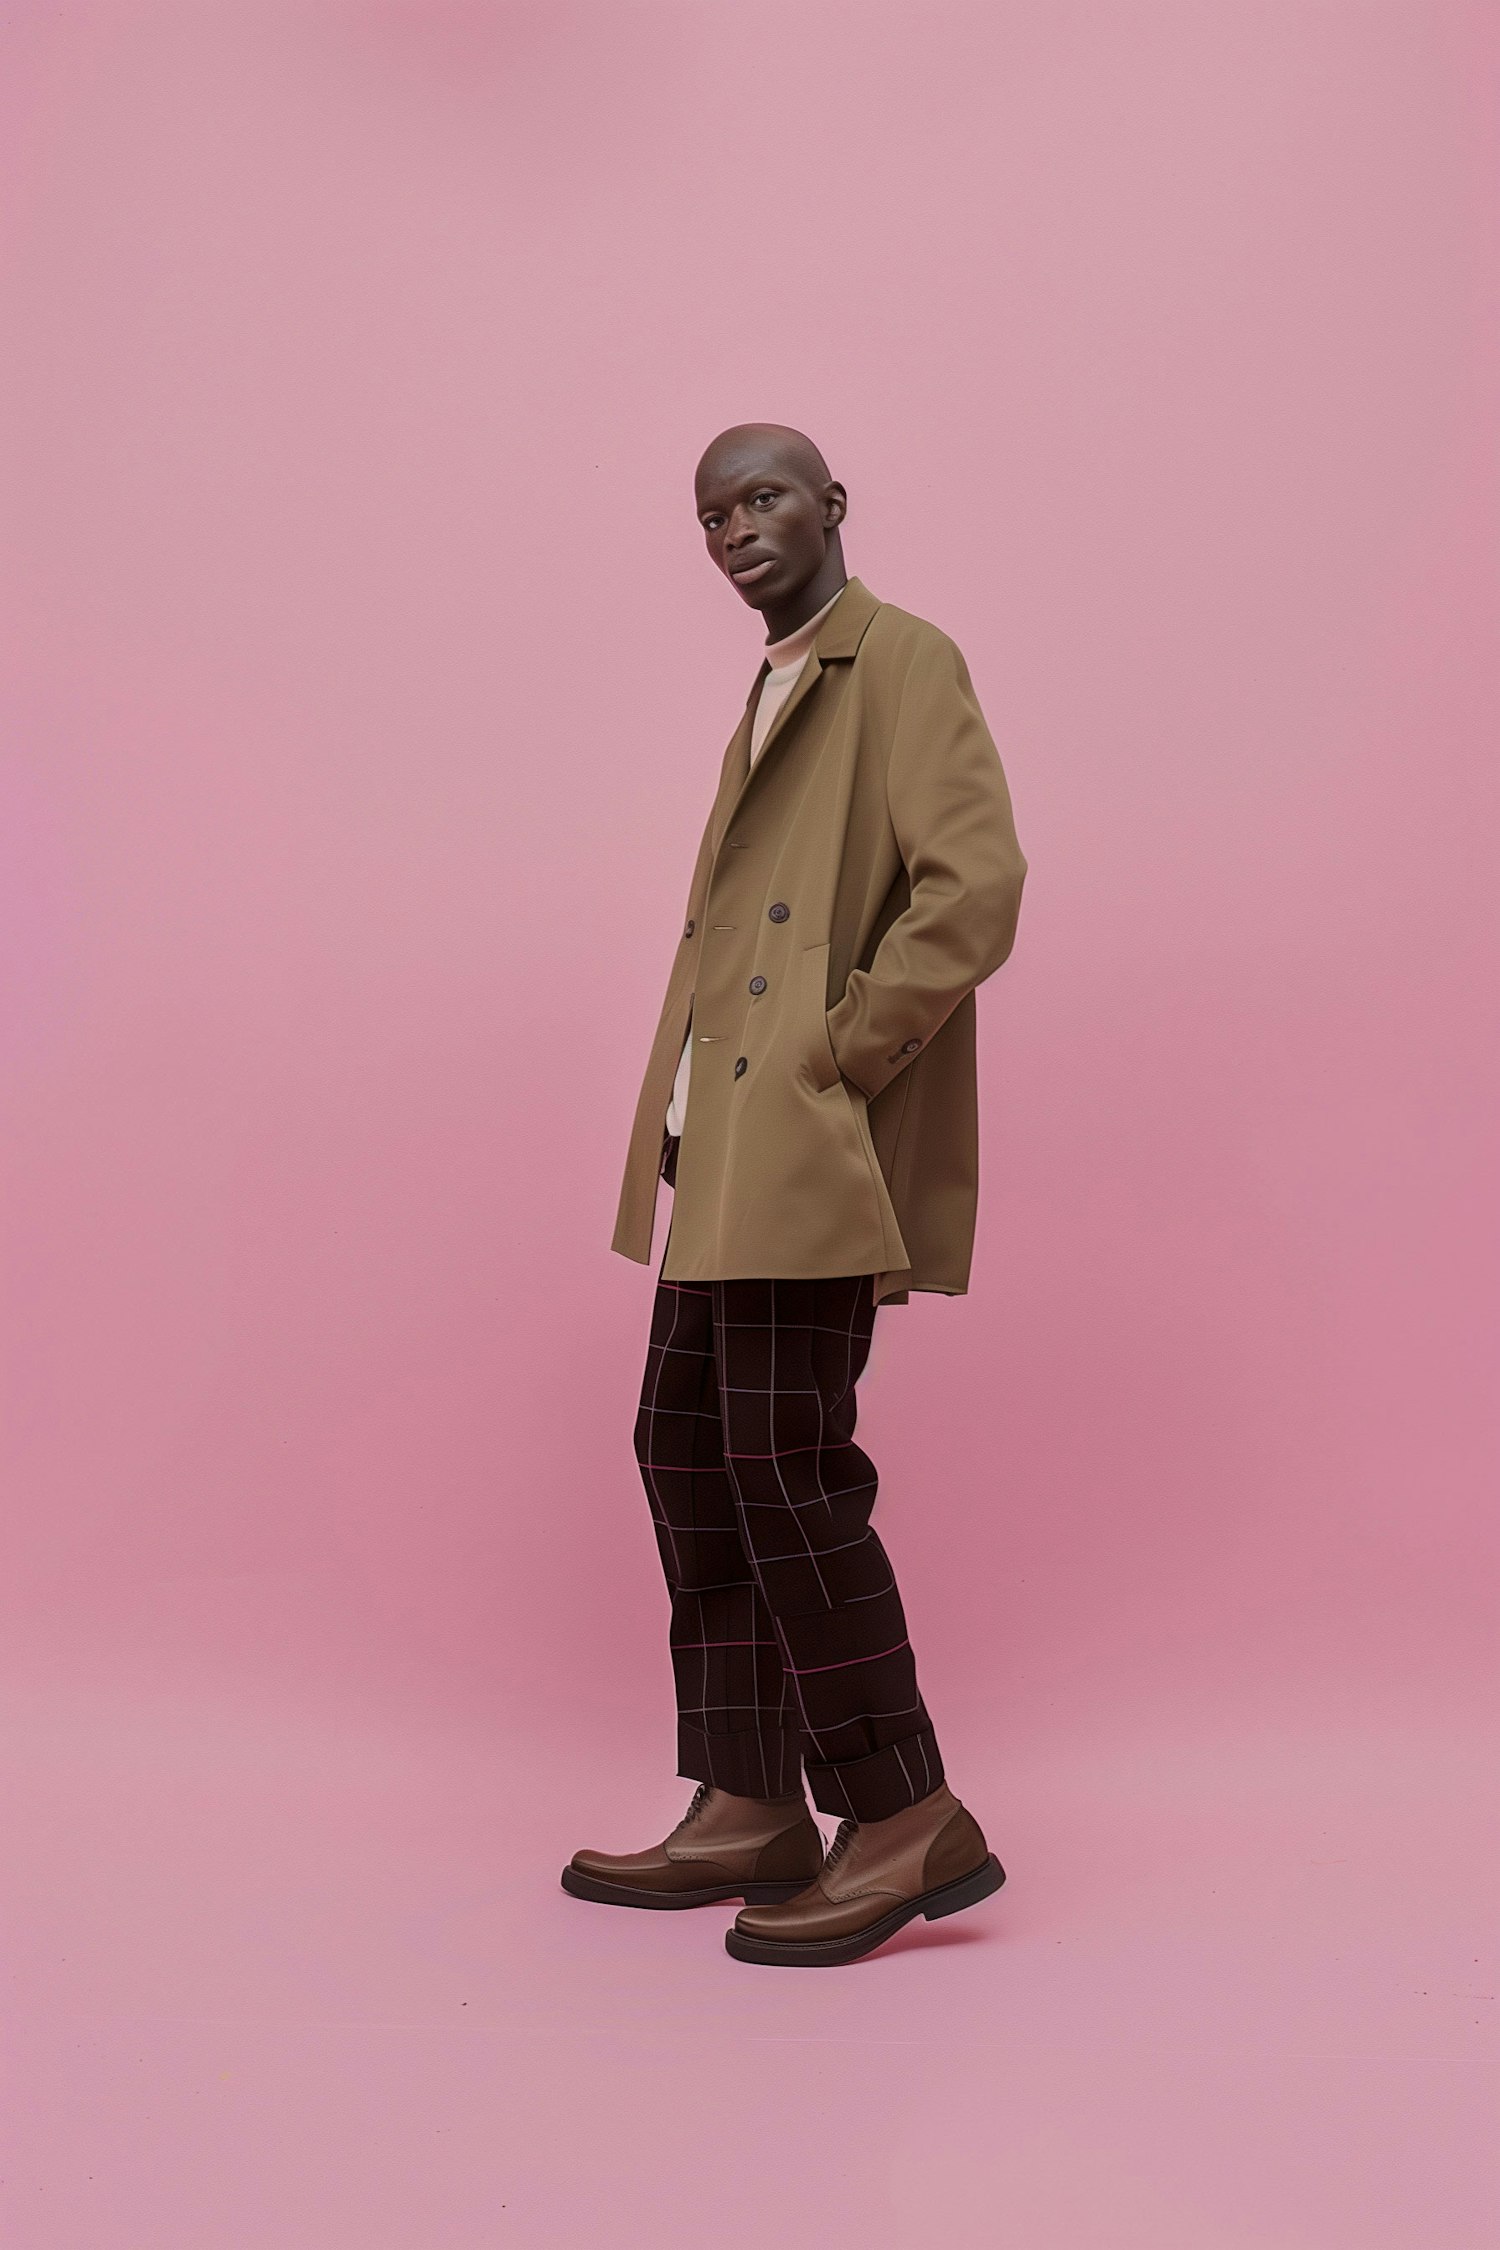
811, 1099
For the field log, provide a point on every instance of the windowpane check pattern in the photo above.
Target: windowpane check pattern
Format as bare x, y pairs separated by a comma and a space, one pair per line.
788, 1638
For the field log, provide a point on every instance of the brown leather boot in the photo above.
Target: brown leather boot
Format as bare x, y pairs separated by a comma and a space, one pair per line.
723, 1847
931, 1859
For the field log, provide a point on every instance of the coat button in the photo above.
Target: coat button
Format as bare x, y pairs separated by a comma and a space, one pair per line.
910, 1046
780, 912
741, 1067
757, 984
690, 929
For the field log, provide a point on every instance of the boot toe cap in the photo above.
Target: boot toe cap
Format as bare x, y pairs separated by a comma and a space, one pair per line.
592, 1863
623, 1866
760, 1921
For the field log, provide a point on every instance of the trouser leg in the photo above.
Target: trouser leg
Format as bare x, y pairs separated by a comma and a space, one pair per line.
737, 1723
788, 1355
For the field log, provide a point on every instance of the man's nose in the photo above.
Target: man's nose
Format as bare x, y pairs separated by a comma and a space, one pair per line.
741, 528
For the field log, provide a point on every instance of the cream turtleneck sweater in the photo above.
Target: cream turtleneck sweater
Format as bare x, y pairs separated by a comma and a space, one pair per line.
786, 659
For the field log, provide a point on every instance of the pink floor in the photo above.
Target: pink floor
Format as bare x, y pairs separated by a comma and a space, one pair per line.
290, 1981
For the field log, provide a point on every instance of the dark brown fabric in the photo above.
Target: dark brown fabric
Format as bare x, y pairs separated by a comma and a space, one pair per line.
789, 1643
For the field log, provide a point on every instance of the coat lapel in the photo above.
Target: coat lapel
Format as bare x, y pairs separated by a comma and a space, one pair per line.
802, 687
839, 636
736, 765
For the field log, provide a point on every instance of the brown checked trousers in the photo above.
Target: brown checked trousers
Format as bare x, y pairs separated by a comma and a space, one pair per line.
788, 1638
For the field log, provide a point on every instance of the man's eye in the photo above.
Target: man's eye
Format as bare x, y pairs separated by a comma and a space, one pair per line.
768, 497
712, 523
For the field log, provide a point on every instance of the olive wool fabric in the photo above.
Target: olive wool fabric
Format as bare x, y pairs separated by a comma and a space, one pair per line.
789, 1643
784, 659
852, 888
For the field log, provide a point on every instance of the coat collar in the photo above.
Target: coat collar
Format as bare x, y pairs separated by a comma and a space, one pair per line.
838, 639
843, 628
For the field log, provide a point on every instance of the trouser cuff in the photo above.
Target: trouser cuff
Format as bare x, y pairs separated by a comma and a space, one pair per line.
886, 1782
747, 1764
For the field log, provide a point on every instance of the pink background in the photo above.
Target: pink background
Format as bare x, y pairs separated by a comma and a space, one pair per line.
365, 687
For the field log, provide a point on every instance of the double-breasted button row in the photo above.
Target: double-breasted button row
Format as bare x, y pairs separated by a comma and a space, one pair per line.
690, 929
741, 1066
757, 984
907, 1047
780, 912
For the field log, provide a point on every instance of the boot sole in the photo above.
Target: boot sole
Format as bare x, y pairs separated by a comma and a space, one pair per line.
829, 1953
603, 1893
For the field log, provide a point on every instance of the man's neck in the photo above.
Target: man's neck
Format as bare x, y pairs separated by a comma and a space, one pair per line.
793, 646
815, 595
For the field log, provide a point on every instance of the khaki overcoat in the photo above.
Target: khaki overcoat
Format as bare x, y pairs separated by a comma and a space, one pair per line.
851, 890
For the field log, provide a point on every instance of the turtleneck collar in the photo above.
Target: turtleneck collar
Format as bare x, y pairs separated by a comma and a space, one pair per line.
793, 650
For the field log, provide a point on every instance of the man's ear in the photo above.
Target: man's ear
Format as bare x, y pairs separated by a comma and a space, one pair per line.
835, 506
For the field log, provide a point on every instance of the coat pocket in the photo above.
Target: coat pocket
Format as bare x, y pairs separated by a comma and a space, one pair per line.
816, 1048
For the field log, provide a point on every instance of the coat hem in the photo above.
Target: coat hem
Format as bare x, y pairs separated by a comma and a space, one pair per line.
905, 1282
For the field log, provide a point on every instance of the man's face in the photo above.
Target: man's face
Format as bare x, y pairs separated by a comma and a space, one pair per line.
765, 522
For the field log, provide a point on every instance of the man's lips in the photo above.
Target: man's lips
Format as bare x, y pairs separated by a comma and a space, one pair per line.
746, 574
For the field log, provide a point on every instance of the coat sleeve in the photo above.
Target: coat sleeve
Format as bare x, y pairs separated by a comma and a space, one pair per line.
951, 812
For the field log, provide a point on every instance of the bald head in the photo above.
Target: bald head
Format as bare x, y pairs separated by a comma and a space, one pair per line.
770, 445
770, 514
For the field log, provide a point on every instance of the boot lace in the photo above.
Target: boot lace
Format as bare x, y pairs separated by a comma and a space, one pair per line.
841, 1842
701, 1796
